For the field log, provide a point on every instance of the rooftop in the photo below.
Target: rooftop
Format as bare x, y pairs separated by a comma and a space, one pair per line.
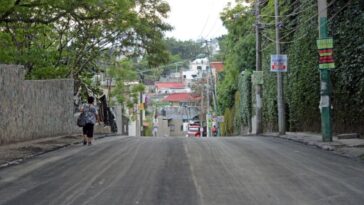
219, 66
173, 85
181, 97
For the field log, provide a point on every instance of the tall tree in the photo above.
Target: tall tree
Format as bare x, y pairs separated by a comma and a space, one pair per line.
62, 38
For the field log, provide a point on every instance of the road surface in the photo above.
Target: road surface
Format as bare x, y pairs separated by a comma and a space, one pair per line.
188, 171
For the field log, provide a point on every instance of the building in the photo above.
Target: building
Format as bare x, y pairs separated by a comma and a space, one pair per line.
183, 99
200, 64
173, 120
216, 68
170, 87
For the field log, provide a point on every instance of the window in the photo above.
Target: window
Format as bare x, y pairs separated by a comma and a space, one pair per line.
199, 67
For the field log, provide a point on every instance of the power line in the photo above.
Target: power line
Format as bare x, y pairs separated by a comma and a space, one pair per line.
207, 19
291, 14
213, 28
298, 12
307, 20
342, 9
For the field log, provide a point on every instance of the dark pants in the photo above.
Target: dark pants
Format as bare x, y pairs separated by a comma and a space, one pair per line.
88, 130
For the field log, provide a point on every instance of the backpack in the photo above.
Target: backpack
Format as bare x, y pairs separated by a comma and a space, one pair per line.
81, 120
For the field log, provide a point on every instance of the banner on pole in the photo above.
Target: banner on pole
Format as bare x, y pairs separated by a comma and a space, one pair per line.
278, 63
325, 47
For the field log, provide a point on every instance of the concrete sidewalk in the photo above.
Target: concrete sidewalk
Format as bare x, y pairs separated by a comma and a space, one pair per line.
15, 153
353, 148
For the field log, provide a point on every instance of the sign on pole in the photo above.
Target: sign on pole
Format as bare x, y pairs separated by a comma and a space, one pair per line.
219, 118
278, 63
141, 106
325, 47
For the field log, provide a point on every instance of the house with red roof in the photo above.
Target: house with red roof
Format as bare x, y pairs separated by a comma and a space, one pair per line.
171, 87
182, 99
217, 66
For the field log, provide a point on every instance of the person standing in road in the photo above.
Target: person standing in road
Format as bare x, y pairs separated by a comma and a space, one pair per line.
155, 127
214, 131
91, 116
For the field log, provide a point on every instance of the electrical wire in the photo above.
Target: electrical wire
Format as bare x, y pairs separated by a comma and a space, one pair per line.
300, 10
213, 28
297, 1
342, 9
307, 20
207, 19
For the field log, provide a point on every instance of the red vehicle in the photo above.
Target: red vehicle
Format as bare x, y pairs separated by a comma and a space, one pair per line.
194, 130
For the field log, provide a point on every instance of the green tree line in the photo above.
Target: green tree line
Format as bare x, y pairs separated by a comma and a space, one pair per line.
75, 38
299, 33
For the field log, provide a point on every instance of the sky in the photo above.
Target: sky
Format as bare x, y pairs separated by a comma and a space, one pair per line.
193, 19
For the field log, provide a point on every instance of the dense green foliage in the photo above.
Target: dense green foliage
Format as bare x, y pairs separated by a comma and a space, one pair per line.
184, 49
123, 72
181, 53
239, 47
73, 38
302, 86
348, 76
244, 111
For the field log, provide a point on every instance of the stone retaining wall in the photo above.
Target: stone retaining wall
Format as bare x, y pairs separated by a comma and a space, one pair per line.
31, 109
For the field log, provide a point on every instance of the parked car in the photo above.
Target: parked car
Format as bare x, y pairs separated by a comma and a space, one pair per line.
194, 130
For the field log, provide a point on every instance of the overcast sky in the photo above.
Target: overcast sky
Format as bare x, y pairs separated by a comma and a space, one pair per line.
193, 19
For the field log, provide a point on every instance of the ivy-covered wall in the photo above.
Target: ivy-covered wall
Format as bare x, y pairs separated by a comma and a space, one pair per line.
303, 82
299, 32
347, 20
244, 112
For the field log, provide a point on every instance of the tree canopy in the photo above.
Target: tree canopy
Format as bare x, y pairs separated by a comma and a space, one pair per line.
68, 38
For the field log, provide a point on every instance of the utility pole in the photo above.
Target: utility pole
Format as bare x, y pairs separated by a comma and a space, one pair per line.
280, 94
258, 87
208, 115
325, 81
141, 108
214, 93
137, 121
202, 102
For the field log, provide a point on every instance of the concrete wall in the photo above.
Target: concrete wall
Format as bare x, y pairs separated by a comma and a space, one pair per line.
132, 128
163, 129
175, 126
34, 109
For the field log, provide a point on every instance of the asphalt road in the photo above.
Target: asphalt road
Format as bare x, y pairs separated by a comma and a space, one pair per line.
173, 171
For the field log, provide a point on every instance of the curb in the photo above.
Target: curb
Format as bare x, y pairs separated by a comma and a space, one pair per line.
55, 148
319, 146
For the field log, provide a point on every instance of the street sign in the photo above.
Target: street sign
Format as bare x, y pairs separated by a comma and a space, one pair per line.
219, 118
141, 106
278, 63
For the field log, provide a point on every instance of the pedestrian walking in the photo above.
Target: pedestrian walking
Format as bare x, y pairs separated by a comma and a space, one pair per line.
91, 116
155, 127
214, 131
